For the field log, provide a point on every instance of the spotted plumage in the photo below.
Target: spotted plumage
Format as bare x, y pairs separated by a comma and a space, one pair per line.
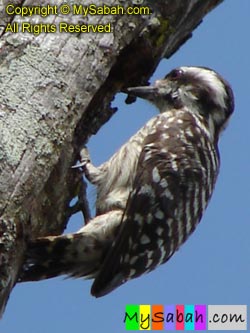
152, 193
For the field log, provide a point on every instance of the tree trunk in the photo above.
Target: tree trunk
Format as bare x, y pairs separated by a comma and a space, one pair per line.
55, 92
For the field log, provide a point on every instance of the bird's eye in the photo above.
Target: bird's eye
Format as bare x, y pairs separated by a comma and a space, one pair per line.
176, 74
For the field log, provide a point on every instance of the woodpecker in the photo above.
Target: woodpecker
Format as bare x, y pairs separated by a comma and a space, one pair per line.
153, 191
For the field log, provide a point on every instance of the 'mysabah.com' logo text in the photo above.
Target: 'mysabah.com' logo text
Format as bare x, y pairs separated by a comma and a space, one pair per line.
186, 317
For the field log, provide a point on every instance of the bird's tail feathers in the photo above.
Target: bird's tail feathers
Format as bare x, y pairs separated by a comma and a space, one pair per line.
73, 254
76, 255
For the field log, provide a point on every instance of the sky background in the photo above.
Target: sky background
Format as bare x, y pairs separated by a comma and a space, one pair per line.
212, 267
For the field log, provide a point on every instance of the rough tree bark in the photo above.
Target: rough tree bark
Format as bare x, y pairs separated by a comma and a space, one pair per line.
55, 92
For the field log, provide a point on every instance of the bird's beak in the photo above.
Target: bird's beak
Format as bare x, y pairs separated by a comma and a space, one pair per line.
147, 92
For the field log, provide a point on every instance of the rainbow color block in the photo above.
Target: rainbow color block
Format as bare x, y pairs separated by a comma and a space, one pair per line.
165, 317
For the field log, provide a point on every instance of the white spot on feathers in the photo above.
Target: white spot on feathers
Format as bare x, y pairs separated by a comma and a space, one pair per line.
144, 239
156, 175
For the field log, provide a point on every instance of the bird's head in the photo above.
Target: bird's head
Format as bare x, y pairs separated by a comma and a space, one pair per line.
200, 90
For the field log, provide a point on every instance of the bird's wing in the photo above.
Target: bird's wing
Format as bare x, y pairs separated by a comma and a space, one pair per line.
156, 218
